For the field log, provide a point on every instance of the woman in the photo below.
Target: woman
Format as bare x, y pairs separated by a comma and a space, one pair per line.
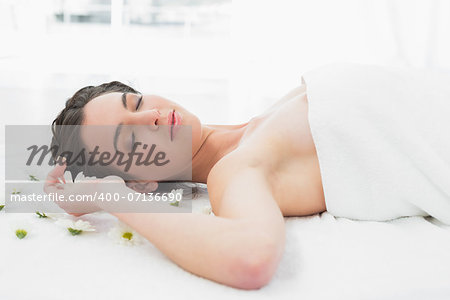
256, 172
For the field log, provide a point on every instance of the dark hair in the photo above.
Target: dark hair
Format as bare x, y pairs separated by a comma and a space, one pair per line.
69, 140
73, 113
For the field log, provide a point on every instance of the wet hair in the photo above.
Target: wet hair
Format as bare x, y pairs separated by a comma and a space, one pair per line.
67, 139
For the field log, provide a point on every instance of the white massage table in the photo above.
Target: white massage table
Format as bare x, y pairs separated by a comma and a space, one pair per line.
325, 258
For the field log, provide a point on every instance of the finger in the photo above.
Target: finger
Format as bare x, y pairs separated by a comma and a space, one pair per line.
53, 178
57, 171
52, 188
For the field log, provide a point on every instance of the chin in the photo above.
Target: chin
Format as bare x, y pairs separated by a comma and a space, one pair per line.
189, 119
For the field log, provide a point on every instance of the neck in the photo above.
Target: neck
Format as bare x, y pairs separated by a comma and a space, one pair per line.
217, 141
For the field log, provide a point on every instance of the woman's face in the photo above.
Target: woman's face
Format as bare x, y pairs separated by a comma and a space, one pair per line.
145, 119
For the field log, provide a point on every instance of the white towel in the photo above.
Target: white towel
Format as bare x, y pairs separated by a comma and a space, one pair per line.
383, 140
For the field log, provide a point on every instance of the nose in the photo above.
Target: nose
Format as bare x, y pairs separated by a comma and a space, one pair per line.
146, 117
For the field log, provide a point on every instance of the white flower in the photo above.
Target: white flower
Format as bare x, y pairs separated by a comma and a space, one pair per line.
75, 227
177, 191
55, 216
78, 178
21, 233
124, 235
178, 195
206, 210
51, 216
20, 227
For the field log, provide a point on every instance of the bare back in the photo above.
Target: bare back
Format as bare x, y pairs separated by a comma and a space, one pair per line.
278, 144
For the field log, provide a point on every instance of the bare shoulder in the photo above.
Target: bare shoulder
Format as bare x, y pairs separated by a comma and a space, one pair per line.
238, 187
299, 90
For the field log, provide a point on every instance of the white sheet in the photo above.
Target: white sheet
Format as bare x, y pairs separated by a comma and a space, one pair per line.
382, 140
325, 258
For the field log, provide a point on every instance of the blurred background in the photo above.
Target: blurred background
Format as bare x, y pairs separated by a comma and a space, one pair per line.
225, 61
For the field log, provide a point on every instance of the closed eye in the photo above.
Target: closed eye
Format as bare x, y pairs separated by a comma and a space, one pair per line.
133, 140
138, 104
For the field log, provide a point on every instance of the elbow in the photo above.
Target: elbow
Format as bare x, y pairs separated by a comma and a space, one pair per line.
254, 275
255, 269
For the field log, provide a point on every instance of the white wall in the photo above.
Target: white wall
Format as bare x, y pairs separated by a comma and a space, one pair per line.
239, 69
274, 42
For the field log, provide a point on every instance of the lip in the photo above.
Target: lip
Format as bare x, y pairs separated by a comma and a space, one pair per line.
174, 122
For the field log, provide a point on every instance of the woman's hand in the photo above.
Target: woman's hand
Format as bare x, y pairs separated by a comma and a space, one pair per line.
56, 183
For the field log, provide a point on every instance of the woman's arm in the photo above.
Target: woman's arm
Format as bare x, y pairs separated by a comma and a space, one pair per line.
240, 248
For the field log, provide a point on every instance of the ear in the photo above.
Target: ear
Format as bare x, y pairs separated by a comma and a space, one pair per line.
142, 186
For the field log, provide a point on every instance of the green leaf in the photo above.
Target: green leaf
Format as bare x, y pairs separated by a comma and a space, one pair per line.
41, 215
15, 192
74, 231
1, 207
176, 203
21, 233
33, 178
